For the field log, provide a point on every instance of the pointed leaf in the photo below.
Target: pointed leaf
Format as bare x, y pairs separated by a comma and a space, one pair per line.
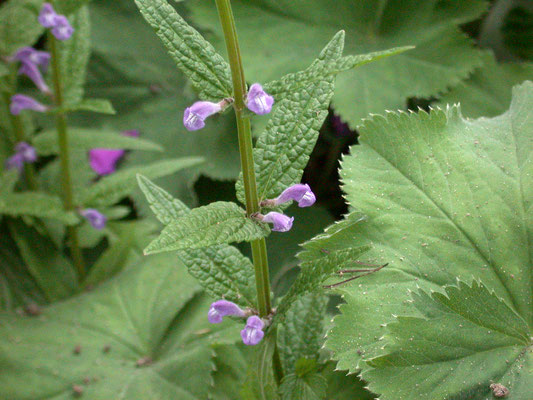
36, 204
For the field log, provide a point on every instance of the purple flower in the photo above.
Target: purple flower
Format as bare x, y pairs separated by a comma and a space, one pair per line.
301, 193
195, 115
282, 223
47, 17
95, 217
62, 29
258, 100
20, 102
30, 55
253, 331
24, 153
104, 161
32, 72
222, 308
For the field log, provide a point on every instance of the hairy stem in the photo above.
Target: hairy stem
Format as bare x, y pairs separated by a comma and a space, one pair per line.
66, 181
259, 252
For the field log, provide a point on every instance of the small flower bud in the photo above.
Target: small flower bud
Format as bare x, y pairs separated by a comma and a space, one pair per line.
47, 17
258, 100
253, 333
282, 223
62, 29
20, 102
195, 115
223, 308
95, 217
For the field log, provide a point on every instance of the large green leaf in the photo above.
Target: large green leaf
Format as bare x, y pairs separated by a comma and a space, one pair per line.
18, 25
208, 71
454, 333
272, 32
446, 198
131, 67
305, 383
142, 335
487, 92
36, 204
217, 223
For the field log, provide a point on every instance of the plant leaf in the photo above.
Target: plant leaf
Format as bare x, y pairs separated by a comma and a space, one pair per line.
18, 25
217, 223
139, 337
101, 106
427, 184
86, 139
385, 85
207, 70
466, 326
487, 92
282, 150
305, 383
112, 188
221, 269
36, 204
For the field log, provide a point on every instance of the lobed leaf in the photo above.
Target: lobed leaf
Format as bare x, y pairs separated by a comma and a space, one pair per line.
112, 188
85, 139
208, 71
217, 223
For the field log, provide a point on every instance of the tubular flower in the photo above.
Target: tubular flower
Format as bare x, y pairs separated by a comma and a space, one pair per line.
20, 102
95, 217
282, 223
104, 161
47, 17
61, 28
300, 193
253, 333
223, 308
195, 115
30, 60
32, 72
258, 100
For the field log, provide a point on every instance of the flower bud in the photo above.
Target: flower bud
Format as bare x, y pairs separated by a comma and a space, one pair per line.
62, 29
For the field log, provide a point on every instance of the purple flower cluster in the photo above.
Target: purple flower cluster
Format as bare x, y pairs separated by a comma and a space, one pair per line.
252, 333
24, 153
61, 28
104, 161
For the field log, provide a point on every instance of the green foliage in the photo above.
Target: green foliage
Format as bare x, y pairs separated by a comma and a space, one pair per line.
324, 255
464, 327
487, 92
282, 150
36, 204
101, 106
112, 188
74, 57
141, 335
86, 139
18, 25
427, 183
302, 334
207, 70
305, 383
221, 269
217, 223
271, 33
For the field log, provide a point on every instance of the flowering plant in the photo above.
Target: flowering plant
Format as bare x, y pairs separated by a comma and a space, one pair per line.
220, 281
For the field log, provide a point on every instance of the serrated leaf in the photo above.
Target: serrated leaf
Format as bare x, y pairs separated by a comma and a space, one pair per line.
301, 335
217, 223
464, 327
487, 92
18, 25
139, 337
221, 269
260, 383
271, 33
51, 270
282, 150
101, 106
112, 188
74, 56
427, 183
324, 255
305, 383
196, 57
36, 204
84, 139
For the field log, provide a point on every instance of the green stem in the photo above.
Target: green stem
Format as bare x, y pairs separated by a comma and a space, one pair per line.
259, 252
62, 135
